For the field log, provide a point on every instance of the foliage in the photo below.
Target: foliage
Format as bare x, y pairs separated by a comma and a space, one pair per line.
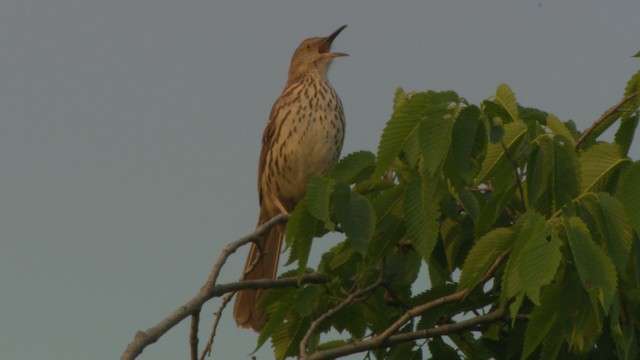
507, 206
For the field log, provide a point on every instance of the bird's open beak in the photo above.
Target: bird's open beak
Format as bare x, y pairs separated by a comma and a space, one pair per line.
326, 44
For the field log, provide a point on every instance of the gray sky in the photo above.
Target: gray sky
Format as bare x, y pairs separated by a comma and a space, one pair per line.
130, 133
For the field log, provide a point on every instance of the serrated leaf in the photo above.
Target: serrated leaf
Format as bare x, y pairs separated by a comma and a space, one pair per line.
306, 298
279, 303
483, 254
421, 217
543, 318
514, 132
534, 260
441, 351
596, 270
399, 98
558, 128
629, 194
286, 338
356, 215
435, 137
353, 167
404, 123
613, 228
633, 86
300, 230
507, 99
626, 131
539, 169
389, 223
468, 142
566, 173
597, 164
319, 192
491, 210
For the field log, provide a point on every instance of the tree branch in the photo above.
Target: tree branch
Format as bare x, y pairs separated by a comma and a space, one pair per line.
604, 116
193, 335
382, 339
144, 338
496, 315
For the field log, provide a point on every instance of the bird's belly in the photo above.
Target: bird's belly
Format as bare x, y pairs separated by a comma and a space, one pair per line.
313, 151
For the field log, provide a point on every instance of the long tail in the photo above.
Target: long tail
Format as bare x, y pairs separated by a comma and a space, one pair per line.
245, 310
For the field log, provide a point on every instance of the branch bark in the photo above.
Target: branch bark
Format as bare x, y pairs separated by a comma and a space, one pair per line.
142, 339
496, 315
604, 116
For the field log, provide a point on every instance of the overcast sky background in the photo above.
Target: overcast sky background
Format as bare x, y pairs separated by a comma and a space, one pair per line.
130, 133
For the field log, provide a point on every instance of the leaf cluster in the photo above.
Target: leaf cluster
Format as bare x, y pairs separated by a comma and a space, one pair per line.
453, 188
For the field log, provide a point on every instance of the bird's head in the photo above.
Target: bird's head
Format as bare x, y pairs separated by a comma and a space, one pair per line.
314, 54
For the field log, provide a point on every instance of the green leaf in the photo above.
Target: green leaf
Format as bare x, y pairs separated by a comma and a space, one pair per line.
300, 231
483, 254
441, 351
612, 227
629, 194
399, 98
543, 318
354, 167
389, 222
566, 173
596, 270
597, 164
318, 196
404, 123
506, 98
286, 338
558, 128
539, 169
468, 142
633, 86
626, 131
421, 216
514, 133
279, 303
534, 260
306, 298
356, 215
493, 208
435, 137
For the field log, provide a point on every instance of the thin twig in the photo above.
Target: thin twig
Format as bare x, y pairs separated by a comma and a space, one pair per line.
227, 298
143, 338
218, 314
383, 338
514, 163
604, 116
314, 325
193, 335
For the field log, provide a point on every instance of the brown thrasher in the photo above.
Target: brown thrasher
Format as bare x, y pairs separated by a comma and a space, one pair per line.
303, 138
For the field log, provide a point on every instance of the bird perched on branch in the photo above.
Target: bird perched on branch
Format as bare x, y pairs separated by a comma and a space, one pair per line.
303, 138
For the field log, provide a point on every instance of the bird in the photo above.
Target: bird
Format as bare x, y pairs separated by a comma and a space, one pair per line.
303, 138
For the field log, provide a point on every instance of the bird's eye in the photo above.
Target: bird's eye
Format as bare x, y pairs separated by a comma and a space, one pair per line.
308, 47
